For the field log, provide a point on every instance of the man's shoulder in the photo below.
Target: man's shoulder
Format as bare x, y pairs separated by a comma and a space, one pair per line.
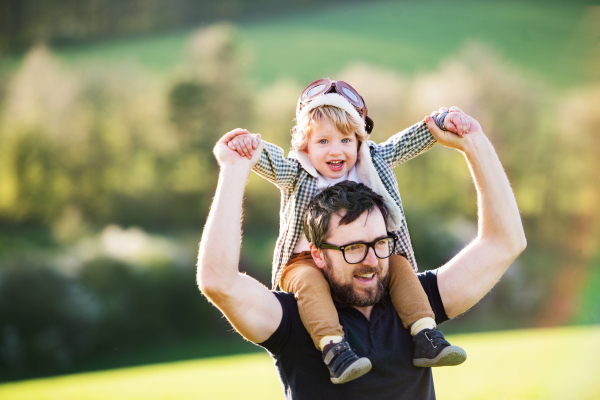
289, 327
285, 298
429, 282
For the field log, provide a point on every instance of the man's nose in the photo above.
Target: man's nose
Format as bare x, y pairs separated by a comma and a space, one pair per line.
371, 259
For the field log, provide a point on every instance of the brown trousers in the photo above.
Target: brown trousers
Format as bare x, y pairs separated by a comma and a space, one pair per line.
302, 277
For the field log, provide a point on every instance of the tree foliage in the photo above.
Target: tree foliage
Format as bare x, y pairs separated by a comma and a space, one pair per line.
24, 23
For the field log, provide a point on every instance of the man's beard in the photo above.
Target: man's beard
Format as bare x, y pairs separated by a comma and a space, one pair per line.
346, 293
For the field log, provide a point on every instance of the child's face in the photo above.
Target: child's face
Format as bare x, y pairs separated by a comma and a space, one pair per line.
331, 152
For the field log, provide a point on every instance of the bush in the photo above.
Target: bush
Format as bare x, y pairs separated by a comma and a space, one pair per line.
47, 320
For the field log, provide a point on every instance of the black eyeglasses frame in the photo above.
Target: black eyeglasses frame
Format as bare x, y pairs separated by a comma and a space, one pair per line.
370, 245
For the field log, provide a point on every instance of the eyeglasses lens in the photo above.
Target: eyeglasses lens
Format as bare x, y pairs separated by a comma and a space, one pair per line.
350, 94
315, 90
355, 253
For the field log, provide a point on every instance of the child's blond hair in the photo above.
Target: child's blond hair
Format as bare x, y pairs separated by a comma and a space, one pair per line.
338, 117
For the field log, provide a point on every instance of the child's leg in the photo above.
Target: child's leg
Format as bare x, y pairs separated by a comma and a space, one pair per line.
408, 296
303, 278
412, 305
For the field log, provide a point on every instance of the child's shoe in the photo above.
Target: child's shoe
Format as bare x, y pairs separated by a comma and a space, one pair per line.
343, 363
433, 350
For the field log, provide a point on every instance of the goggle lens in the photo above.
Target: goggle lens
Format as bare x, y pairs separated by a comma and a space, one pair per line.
315, 90
350, 94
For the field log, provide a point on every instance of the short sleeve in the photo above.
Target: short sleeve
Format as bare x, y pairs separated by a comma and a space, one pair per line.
429, 282
282, 335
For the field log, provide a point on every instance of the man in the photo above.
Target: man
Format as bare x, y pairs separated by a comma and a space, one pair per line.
270, 319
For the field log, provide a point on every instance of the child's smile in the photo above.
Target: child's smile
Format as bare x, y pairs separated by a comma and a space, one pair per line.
331, 152
336, 165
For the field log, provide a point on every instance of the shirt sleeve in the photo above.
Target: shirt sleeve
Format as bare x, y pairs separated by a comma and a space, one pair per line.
278, 340
277, 169
406, 144
429, 282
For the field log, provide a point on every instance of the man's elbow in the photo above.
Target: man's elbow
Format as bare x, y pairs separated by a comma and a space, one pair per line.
210, 285
515, 245
520, 243
509, 246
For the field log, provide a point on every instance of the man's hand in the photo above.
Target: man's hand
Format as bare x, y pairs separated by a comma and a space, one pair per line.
225, 155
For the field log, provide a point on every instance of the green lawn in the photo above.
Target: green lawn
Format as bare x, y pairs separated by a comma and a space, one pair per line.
547, 38
559, 363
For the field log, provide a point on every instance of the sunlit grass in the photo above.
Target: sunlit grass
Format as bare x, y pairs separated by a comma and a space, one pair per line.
558, 363
234, 377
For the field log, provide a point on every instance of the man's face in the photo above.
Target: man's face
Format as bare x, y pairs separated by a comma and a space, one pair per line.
362, 284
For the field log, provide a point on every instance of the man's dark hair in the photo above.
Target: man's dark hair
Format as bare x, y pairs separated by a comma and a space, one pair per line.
354, 198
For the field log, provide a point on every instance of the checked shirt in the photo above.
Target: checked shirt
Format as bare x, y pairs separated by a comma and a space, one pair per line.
298, 187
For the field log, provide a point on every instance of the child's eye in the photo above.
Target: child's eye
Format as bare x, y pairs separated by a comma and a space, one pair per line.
323, 141
346, 140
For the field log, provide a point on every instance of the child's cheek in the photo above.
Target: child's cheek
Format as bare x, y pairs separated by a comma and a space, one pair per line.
354, 158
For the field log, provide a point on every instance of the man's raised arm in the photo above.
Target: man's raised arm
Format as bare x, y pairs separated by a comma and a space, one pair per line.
249, 306
471, 274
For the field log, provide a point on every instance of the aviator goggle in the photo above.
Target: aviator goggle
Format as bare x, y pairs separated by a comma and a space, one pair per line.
325, 86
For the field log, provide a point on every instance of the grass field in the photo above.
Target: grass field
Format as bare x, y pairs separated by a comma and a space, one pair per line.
545, 38
559, 363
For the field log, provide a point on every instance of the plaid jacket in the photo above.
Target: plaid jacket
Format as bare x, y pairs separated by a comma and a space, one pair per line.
296, 178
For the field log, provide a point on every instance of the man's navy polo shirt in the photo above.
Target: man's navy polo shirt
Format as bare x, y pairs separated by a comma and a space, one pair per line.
384, 340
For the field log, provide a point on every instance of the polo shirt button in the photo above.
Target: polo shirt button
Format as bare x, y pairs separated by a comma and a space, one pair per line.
372, 332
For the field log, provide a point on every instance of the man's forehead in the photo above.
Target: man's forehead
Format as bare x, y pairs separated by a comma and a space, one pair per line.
370, 225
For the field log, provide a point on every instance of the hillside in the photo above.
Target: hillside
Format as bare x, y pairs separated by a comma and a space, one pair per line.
549, 39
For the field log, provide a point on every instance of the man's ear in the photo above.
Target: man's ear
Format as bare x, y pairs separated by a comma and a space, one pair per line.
317, 255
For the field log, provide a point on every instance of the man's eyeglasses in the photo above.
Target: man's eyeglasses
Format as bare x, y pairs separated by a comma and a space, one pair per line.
356, 252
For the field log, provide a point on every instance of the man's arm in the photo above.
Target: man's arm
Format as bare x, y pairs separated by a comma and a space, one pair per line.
249, 306
471, 274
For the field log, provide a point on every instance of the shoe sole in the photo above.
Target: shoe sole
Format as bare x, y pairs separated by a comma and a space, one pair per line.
452, 355
356, 370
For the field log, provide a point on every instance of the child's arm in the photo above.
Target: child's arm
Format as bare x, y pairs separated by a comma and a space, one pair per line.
272, 165
417, 139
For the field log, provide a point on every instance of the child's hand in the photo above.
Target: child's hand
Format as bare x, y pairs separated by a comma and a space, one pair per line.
227, 156
244, 144
456, 121
453, 140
